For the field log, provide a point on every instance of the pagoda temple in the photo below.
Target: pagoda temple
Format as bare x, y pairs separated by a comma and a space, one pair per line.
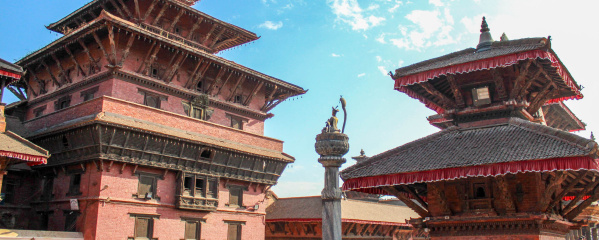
152, 135
504, 165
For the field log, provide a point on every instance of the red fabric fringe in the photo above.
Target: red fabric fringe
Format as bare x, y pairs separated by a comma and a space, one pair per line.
495, 62
371, 184
9, 74
427, 103
30, 159
342, 220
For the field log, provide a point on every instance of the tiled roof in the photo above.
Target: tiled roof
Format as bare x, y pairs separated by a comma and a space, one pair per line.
514, 140
13, 143
498, 48
7, 66
311, 208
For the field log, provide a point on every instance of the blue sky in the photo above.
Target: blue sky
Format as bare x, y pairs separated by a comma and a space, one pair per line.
345, 47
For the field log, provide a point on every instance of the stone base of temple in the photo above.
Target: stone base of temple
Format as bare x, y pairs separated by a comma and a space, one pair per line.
526, 228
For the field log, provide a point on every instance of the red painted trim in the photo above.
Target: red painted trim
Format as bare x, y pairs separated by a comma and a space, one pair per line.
495, 62
371, 184
9, 74
427, 103
31, 159
342, 220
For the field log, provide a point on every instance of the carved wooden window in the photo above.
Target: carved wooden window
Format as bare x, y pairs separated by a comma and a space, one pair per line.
199, 185
481, 96
147, 185
9, 187
63, 102
38, 112
200, 87
236, 195
70, 223
89, 94
75, 184
207, 153
144, 226
238, 99
234, 230
236, 121
193, 228
45, 219
152, 99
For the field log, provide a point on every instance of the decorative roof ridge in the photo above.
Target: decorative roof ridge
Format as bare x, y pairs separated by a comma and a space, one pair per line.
399, 149
426, 62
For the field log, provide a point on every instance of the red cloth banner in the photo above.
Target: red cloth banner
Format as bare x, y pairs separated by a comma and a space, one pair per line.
371, 184
9, 74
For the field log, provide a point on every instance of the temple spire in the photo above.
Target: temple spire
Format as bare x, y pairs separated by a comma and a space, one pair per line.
485, 39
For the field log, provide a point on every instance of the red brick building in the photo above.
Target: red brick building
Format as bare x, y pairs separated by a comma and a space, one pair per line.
152, 136
504, 165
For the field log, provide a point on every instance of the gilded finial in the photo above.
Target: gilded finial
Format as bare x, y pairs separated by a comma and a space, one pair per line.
485, 41
503, 37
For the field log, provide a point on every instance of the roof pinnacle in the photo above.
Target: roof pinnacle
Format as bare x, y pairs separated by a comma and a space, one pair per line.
485, 39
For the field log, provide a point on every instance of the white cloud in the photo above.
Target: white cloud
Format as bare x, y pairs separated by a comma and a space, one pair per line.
335, 55
365, 36
395, 7
361, 75
400, 63
436, 3
381, 38
383, 70
472, 24
373, 7
379, 58
271, 25
430, 28
350, 12
297, 189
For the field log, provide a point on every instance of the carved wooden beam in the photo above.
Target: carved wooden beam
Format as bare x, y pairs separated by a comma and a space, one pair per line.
149, 11
209, 34
499, 83
40, 83
416, 196
224, 83
240, 81
459, 98
437, 191
445, 101
176, 20
519, 79
412, 205
164, 7
567, 189
195, 26
219, 75
17, 93
200, 75
579, 197
50, 73
576, 211
152, 59
127, 48
529, 82
137, 12
125, 8
92, 61
269, 98
539, 100
277, 101
118, 9
143, 64
35, 94
217, 37
79, 68
60, 68
194, 72
224, 42
550, 189
253, 93
112, 60
176, 67
99, 42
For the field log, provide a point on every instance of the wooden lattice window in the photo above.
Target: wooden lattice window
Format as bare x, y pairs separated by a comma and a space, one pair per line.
152, 99
70, 223
199, 185
144, 226
236, 195
147, 186
9, 187
193, 228
89, 94
75, 183
234, 230
38, 112
236, 121
62, 103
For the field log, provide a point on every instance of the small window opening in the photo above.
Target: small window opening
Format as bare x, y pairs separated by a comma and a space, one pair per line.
199, 186
177, 30
65, 142
187, 184
480, 192
206, 154
238, 99
154, 72
199, 87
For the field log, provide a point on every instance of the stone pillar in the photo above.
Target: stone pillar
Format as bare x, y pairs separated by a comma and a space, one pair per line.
331, 146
